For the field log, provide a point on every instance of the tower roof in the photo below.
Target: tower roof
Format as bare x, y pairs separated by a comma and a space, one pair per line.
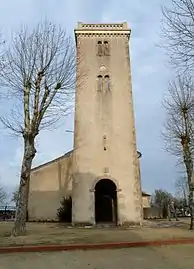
102, 26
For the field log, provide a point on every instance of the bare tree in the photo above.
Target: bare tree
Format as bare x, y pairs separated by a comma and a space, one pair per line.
161, 199
3, 195
15, 195
40, 73
2, 63
182, 188
178, 33
179, 127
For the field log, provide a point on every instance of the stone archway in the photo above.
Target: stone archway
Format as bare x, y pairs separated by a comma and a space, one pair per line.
105, 201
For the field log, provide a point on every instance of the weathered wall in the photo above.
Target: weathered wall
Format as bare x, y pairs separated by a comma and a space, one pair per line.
146, 201
152, 213
109, 114
48, 184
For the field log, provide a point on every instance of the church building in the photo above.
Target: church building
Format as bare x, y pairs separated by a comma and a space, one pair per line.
102, 172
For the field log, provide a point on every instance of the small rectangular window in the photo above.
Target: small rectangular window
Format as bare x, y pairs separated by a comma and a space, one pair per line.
106, 48
100, 48
107, 83
99, 86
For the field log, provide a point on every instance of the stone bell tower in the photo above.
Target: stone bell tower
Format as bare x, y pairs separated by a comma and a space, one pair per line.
106, 185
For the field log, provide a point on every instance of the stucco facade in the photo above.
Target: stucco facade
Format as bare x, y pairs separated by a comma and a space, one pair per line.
51, 182
105, 118
104, 135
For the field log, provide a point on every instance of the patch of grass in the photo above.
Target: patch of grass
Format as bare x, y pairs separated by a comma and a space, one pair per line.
55, 233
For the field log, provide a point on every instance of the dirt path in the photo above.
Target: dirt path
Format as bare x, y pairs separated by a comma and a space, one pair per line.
176, 257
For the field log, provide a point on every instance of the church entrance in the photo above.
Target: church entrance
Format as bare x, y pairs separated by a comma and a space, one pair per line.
105, 201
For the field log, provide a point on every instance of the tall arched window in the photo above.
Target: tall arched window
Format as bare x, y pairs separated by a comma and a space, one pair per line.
99, 48
106, 48
99, 84
107, 83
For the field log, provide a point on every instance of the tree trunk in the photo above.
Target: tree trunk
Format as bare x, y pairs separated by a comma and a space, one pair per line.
189, 170
191, 208
22, 203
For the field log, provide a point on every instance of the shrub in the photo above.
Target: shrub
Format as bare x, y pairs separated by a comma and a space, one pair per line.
64, 212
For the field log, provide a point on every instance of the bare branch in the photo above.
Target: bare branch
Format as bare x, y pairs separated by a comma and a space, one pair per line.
182, 188
179, 107
178, 33
3, 195
179, 126
2, 62
40, 76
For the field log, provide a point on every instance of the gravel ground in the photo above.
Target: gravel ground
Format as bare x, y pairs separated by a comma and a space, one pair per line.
169, 257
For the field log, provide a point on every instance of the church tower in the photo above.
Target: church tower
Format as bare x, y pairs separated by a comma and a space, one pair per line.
106, 184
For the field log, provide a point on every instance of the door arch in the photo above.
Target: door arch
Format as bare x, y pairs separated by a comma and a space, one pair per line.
105, 201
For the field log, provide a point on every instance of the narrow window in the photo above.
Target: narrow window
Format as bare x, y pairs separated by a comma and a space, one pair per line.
100, 52
99, 85
107, 83
106, 48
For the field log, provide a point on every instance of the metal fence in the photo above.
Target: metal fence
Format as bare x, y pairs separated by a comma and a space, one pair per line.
7, 213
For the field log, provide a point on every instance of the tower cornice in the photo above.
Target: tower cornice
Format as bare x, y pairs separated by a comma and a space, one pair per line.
99, 30
101, 33
104, 26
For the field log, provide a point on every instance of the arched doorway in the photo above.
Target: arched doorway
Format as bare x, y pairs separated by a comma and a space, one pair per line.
105, 201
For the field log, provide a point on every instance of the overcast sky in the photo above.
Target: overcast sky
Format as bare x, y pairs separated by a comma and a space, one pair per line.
150, 74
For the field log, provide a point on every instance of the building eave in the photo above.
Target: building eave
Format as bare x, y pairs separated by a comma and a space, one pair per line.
66, 155
145, 194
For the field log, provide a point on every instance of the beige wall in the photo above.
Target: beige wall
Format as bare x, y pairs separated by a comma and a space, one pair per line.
152, 213
146, 200
48, 184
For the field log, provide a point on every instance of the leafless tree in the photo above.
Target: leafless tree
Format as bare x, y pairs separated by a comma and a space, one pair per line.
178, 33
179, 126
182, 188
2, 63
3, 195
40, 73
161, 199
15, 195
